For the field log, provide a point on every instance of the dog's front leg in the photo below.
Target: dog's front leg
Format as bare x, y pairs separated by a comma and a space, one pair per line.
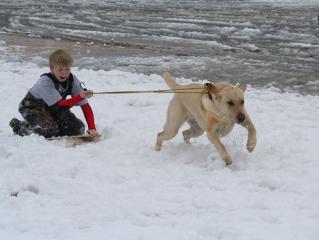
220, 147
252, 139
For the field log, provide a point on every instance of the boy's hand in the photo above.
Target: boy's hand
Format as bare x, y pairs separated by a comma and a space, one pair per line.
86, 94
93, 133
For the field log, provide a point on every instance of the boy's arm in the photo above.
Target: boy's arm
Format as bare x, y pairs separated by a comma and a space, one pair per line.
75, 100
89, 116
70, 102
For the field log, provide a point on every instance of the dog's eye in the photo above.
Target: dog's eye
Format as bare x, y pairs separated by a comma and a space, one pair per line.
242, 102
230, 103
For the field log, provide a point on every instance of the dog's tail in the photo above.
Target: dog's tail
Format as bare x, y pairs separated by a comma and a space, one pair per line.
170, 81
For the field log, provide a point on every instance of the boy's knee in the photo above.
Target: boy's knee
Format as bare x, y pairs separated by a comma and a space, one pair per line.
80, 128
69, 124
76, 127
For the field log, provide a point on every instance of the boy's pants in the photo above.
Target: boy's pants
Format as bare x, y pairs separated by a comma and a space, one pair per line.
47, 121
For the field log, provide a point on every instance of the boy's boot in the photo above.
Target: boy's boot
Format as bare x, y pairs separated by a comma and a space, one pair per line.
19, 127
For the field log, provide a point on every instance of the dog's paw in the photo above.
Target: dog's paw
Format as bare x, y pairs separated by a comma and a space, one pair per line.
228, 161
251, 144
157, 148
186, 140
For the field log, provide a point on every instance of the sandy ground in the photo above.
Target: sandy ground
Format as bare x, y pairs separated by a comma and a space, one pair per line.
258, 69
30, 46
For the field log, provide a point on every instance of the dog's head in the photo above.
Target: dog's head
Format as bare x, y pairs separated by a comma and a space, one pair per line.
228, 99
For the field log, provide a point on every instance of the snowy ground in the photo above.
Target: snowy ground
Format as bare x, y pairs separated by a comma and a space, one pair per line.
120, 188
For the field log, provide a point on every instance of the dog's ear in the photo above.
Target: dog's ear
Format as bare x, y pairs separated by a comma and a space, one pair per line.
241, 86
211, 88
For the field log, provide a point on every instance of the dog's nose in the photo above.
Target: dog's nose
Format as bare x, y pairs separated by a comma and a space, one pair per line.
240, 117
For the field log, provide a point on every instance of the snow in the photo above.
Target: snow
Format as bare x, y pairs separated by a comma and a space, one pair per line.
120, 188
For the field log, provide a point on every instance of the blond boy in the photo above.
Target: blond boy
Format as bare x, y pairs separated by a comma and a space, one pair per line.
46, 109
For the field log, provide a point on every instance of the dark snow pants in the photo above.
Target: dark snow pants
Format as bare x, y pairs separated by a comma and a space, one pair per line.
47, 121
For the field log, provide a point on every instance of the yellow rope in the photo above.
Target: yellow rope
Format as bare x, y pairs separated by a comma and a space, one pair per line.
185, 90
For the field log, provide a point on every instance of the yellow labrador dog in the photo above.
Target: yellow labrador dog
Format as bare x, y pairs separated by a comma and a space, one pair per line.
210, 108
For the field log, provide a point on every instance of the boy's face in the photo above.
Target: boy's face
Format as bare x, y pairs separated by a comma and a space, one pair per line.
60, 72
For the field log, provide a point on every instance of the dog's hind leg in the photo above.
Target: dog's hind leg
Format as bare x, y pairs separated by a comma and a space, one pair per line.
193, 131
176, 116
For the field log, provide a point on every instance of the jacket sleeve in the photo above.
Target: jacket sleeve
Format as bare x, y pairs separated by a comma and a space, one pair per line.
89, 116
70, 102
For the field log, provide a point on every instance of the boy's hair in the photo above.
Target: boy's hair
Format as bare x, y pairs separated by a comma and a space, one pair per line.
60, 57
